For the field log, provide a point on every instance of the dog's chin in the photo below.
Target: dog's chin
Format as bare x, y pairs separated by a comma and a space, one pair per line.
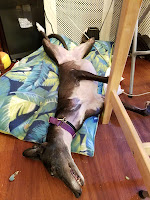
77, 182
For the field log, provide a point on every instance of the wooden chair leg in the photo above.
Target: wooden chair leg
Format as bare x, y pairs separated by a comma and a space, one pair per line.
128, 18
129, 15
140, 150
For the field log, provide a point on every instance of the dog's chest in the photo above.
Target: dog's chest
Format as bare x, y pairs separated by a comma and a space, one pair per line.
85, 65
85, 91
86, 98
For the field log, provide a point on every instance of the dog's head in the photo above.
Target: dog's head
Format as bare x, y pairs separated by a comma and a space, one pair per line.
58, 161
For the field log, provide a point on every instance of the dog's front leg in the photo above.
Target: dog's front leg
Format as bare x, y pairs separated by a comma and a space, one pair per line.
85, 75
144, 112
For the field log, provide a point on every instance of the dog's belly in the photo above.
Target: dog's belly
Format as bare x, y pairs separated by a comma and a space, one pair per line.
86, 94
86, 65
86, 90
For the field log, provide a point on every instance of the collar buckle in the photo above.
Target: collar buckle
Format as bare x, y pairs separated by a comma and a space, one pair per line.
63, 119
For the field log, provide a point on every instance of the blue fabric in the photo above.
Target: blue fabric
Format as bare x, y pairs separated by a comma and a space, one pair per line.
28, 96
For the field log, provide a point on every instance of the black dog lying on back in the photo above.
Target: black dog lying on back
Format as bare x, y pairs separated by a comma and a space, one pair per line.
75, 104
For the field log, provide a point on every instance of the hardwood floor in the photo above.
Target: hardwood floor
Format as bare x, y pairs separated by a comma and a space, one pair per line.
105, 174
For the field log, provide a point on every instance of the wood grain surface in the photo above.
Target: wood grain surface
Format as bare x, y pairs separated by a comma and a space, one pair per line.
111, 174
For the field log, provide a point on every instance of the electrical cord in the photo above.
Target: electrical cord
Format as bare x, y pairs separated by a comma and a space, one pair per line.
74, 22
106, 16
84, 35
81, 30
48, 21
136, 95
133, 95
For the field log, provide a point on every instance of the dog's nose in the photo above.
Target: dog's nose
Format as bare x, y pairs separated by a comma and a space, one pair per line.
78, 193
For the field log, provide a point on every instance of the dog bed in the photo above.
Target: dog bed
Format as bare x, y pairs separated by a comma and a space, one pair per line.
28, 96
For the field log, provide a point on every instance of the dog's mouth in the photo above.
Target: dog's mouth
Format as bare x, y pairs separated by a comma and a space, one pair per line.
76, 177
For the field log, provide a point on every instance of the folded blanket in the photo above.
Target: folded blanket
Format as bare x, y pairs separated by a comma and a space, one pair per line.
29, 92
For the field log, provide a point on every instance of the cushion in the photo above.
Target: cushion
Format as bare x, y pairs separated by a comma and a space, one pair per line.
29, 92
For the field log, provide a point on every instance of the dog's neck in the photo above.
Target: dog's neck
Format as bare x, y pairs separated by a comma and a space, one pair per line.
66, 137
58, 134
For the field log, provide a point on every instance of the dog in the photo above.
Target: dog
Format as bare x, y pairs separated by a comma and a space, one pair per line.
77, 100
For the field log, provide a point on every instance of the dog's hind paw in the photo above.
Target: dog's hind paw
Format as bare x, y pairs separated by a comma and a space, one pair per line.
147, 108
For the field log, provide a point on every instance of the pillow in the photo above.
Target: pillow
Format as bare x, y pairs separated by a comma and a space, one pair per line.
29, 92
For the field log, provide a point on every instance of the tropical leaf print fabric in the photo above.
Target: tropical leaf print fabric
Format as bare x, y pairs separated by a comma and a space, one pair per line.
29, 92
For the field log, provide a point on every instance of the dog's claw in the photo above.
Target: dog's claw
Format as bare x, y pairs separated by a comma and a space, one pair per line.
147, 108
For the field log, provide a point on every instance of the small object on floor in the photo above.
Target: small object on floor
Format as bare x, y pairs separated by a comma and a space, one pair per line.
12, 177
5, 59
127, 178
143, 194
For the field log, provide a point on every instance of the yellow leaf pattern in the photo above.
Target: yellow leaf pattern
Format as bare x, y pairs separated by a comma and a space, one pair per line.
29, 97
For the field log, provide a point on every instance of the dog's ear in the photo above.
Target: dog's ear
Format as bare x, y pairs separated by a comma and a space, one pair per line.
60, 55
35, 151
83, 49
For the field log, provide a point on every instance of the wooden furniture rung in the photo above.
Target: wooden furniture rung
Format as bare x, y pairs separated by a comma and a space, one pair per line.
133, 139
128, 18
129, 14
146, 146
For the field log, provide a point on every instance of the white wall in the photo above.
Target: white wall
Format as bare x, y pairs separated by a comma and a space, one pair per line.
88, 13
50, 10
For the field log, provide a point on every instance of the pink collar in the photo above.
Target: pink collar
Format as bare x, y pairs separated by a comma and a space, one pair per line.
64, 124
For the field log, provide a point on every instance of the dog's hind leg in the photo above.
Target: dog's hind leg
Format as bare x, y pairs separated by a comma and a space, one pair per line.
84, 75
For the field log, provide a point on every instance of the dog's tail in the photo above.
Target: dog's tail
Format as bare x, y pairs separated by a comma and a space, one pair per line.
40, 28
58, 37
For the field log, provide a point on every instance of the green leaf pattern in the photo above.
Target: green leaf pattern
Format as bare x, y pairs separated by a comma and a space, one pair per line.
29, 92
